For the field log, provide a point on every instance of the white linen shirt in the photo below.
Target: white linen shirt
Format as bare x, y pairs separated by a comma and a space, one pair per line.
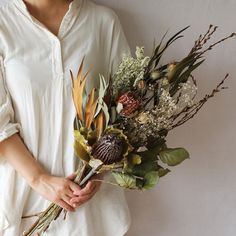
36, 101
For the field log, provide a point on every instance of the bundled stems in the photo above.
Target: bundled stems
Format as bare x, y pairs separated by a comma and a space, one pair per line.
46, 217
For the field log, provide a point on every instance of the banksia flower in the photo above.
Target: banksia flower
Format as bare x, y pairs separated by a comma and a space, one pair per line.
129, 102
108, 149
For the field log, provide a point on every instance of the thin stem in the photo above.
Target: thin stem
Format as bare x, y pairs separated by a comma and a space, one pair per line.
30, 216
105, 182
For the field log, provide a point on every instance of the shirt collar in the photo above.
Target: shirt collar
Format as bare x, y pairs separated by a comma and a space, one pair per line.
69, 18
73, 7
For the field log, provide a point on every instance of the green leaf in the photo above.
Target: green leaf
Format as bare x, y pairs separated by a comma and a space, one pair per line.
169, 42
142, 169
173, 156
159, 50
183, 78
156, 150
162, 172
151, 179
156, 144
148, 155
125, 180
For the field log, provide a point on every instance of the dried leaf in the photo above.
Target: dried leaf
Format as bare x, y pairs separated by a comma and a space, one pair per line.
78, 90
125, 180
90, 109
173, 156
151, 179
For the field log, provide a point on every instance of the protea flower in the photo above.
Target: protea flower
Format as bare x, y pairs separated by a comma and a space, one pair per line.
129, 102
112, 147
108, 149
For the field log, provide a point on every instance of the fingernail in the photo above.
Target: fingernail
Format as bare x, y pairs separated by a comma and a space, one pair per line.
74, 205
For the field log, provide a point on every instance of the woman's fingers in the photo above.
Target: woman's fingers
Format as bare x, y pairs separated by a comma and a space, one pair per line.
66, 206
77, 201
75, 188
86, 196
67, 199
90, 186
70, 193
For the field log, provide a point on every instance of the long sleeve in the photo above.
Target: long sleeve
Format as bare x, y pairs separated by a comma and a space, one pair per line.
7, 125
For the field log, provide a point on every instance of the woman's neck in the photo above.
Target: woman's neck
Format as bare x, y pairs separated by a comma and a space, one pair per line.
45, 5
48, 12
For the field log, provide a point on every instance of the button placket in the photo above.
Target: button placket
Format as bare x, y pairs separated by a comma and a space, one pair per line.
57, 59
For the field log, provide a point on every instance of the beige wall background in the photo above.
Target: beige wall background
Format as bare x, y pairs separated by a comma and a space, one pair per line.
198, 198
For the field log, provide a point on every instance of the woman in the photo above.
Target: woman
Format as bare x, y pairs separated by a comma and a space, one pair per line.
40, 41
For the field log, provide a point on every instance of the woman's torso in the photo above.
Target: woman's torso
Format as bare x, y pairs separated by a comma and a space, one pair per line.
37, 65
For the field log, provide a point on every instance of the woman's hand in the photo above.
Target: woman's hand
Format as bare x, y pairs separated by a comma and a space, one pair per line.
85, 194
62, 191
57, 189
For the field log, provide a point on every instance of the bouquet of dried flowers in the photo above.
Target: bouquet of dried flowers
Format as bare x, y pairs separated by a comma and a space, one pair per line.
122, 127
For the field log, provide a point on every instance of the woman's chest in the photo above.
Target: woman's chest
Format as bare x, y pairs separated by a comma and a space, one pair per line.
34, 64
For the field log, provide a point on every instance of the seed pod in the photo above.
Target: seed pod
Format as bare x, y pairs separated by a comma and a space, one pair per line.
155, 75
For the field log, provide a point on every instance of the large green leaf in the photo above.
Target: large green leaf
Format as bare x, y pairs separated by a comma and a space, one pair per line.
151, 179
125, 180
173, 156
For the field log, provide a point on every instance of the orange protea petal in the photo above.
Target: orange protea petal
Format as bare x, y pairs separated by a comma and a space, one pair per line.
90, 109
78, 89
93, 110
79, 74
79, 94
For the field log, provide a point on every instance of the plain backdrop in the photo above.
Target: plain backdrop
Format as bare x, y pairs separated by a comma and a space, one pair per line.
198, 198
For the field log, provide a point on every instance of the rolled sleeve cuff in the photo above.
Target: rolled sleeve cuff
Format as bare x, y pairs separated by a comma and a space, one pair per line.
9, 130
8, 126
